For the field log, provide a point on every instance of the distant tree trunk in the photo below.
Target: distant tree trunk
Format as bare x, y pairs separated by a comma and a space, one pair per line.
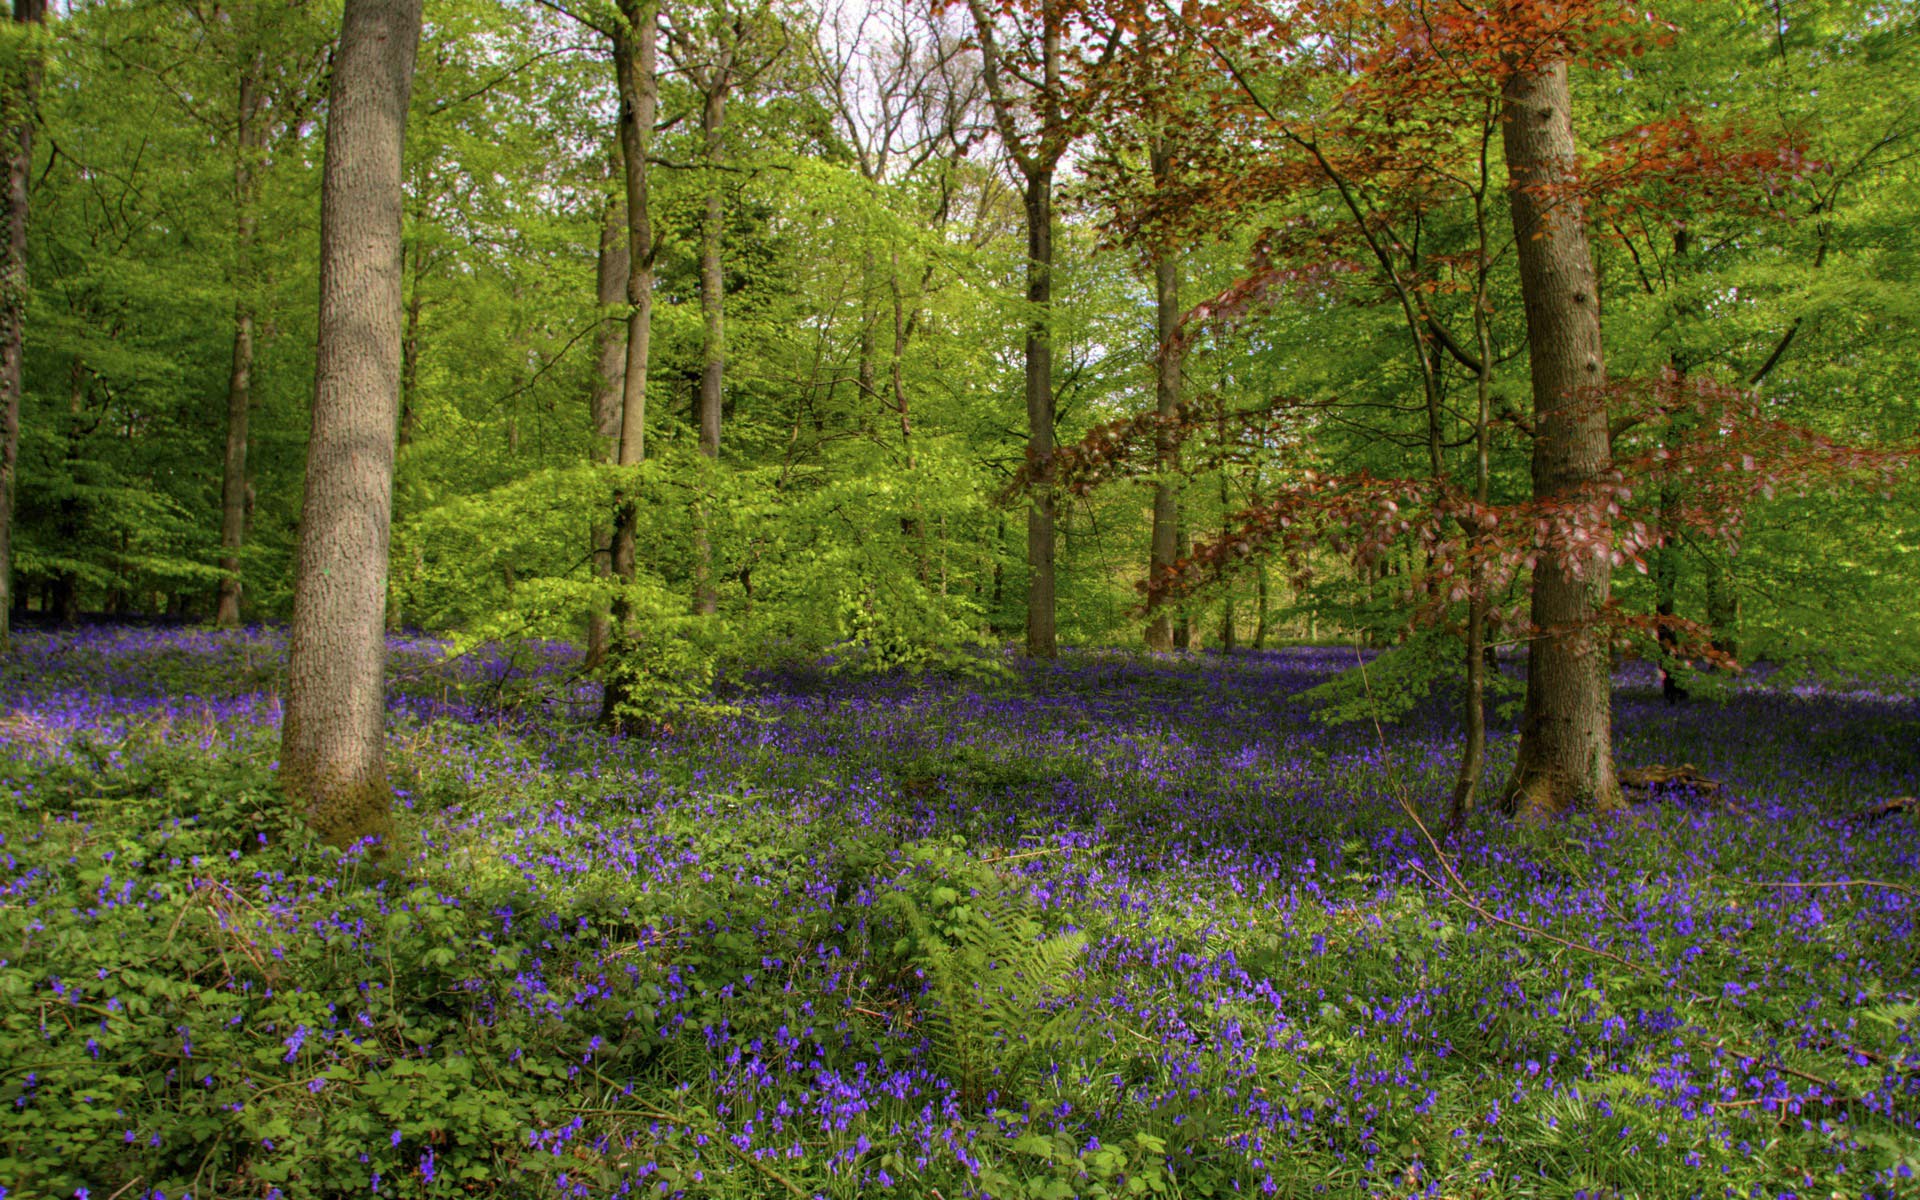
610, 290
1666, 555
1260, 586
1566, 754
911, 526
635, 57
18, 93
410, 343
1723, 602
71, 525
1161, 551
1041, 639
1666, 587
333, 743
865, 378
1479, 658
250, 142
713, 335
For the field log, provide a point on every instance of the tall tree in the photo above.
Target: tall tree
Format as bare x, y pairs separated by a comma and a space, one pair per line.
635, 57
1164, 540
719, 53
610, 370
333, 744
250, 139
1566, 749
1038, 58
18, 89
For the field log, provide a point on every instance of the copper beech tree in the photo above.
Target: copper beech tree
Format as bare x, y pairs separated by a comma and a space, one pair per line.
1384, 116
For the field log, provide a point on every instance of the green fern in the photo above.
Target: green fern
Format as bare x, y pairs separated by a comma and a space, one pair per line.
998, 994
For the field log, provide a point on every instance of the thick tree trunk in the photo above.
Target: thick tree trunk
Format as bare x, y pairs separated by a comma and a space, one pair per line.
1041, 640
610, 291
333, 741
1166, 392
713, 341
1565, 756
251, 140
17, 95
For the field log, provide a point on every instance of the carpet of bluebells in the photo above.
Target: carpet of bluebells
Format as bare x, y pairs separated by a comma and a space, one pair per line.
1107, 927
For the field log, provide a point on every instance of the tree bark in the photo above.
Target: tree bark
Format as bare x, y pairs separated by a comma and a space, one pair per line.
635, 56
333, 743
17, 98
610, 291
250, 141
1565, 756
1166, 390
1041, 638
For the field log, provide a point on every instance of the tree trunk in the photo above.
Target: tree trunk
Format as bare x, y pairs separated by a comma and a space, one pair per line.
1041, 641
333, 742
1565, 755
1723, 602
1166, 391
635, 58
1666, 591
610, 290
1260, 607
1480, 660
18, 92
911, 526
1182, 615
251, 140
713, 340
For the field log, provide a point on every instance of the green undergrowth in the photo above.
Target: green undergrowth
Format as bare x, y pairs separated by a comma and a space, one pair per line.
590, 983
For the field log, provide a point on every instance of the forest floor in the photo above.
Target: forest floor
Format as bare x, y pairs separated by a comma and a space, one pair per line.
1108, 927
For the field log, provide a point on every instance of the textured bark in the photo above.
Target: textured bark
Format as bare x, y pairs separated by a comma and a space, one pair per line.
1166, 391
333, 743
1041, 638
250, 142
610, 290
17, 94
1565, 756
